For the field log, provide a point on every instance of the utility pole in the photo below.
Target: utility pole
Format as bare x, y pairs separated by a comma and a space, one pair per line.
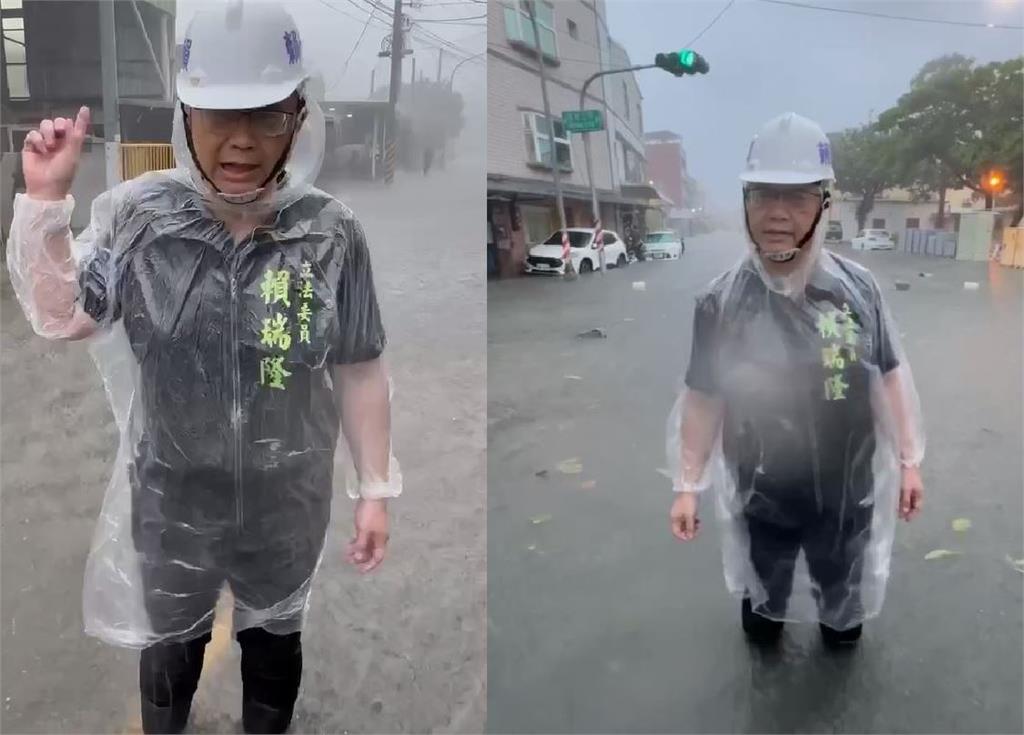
556, 174
440, 53
397, 52
396, 59
111, 105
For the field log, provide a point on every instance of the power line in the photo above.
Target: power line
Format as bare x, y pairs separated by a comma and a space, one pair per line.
358, 41
713, 21
938, 21
451, 20
342, 12
445, 41
455, 48
432, 43
452, 23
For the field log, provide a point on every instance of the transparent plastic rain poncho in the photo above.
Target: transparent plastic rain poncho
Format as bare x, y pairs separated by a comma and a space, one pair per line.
217, 359
814, 411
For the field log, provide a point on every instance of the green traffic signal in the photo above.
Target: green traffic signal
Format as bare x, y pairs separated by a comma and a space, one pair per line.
682, 62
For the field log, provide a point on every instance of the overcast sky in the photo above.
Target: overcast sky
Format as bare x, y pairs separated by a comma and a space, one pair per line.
767, 59
331, 28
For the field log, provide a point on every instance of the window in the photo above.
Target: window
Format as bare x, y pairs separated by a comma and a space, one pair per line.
878, 224
608, 238
519, 28
913, 223
577, 239
574, 32
15, 66
539, 141
632, 170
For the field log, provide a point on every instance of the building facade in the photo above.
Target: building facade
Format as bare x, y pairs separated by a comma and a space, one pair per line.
521, 145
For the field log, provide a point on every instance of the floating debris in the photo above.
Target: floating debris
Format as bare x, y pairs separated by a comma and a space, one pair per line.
570, 466
940, 554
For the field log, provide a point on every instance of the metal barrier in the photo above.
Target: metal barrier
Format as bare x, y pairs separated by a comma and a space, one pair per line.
138, 158
937, 243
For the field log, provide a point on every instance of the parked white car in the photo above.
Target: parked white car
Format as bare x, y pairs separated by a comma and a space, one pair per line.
873, 240
546, 258
663, 244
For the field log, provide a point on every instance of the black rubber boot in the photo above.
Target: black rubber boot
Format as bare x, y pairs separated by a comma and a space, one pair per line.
168, 676
271, 673
759, 629
840, 639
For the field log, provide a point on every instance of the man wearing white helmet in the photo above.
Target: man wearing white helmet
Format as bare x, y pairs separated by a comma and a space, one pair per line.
799, 408
231, 310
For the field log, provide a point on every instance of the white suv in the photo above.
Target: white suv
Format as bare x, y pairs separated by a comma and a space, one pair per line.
547, 257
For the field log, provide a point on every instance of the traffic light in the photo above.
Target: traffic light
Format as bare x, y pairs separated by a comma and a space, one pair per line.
682, 62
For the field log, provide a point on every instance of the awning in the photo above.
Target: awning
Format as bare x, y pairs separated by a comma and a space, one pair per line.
539, 189
648, 193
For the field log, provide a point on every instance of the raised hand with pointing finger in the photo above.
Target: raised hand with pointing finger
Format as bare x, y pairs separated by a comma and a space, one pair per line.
51, 153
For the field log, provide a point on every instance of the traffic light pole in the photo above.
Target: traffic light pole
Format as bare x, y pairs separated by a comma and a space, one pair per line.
595, 209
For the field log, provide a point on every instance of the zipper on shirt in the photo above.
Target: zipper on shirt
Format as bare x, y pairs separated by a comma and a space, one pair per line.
236, 391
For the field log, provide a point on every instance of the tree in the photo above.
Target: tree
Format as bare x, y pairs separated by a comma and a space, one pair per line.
958, 122
862, 158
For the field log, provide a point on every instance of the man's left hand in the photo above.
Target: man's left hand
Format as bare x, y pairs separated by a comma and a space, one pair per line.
911, 493
366, 550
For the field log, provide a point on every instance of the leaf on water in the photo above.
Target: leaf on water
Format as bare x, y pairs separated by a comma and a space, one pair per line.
537, 520
588, 484
531, 547
570, 466
961, 524
573, 377
940, 554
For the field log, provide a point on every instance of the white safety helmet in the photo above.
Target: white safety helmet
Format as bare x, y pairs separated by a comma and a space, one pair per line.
789, 149
244, 56
240, 56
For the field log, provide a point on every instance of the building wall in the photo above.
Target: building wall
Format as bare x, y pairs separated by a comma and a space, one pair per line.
513, 85
894, 215
625, 102
666, 167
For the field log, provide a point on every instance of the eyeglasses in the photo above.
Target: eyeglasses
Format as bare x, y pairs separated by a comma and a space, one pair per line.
265, 123
791, 198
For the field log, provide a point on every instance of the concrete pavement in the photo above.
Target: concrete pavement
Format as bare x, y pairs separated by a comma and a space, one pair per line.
599, 621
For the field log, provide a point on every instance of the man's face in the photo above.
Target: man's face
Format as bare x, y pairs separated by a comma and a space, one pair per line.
780, 216
237, 149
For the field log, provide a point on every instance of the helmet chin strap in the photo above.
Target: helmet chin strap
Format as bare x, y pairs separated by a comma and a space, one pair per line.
277, 174
787, 255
